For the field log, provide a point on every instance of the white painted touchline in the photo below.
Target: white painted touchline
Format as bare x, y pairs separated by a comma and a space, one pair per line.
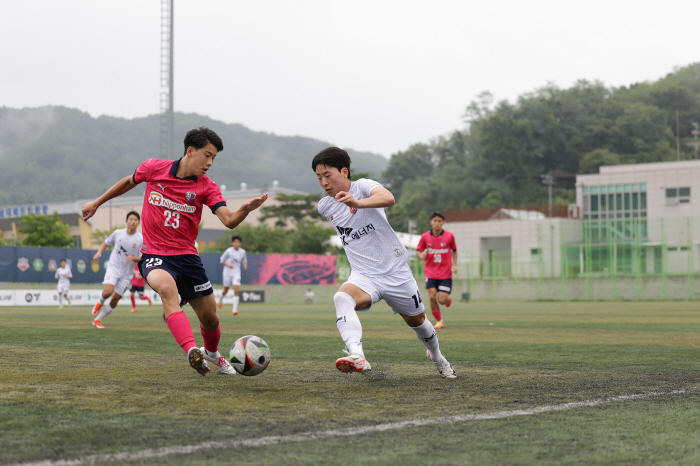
261, 441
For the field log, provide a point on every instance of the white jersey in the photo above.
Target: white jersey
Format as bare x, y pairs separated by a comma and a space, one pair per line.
63, 275
123, 244
372, 247
234, 258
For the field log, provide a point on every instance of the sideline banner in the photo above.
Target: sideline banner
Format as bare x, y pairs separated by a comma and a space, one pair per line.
38, 265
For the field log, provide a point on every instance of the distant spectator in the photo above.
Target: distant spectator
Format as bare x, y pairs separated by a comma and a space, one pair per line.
309, 296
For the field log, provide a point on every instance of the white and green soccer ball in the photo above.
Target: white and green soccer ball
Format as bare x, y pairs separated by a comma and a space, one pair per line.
250, 355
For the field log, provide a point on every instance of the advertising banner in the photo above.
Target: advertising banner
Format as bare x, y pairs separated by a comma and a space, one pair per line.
38, 265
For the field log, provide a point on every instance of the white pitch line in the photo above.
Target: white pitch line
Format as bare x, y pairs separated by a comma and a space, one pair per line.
258, 442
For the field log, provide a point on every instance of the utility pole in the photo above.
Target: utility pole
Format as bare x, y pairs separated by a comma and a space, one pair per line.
678, 139
548, 180
696, 133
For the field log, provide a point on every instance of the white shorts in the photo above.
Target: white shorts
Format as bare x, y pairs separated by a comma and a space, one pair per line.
62, 288
230, 280
400, 291
121, 284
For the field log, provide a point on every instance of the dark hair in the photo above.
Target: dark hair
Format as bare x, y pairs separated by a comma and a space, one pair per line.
332, 157
63, 260
437, 214
200, 137
236, 237
133, 212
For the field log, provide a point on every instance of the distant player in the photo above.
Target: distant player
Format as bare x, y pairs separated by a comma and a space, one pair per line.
438, 249
309, 296
232, 259
176, 193
138, 284
127, 244
378, 260
63, 275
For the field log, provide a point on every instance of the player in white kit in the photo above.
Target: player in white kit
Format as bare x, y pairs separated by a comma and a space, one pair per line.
63, 275
127, 244
378, 260
232, 259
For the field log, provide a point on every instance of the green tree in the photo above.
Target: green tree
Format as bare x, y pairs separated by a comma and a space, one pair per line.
42, 230
492, 199
591, 162
295, 208
310, 239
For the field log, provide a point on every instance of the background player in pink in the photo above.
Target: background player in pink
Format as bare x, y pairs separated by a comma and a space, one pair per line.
176, 192
138, 284
439, 250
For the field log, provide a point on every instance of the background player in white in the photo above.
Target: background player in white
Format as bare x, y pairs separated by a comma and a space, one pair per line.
378, 260
63, 275
127, 244
232, 259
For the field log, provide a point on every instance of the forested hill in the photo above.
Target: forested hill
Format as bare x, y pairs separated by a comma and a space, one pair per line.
57, 153
497, 159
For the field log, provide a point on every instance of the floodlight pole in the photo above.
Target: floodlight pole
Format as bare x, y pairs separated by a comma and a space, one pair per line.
167, 115
548, 179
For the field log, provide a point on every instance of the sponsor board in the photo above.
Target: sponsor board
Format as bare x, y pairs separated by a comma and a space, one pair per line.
252, 296
78, 297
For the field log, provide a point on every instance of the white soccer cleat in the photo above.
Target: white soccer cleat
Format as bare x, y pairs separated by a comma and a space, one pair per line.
353, 363
445, 368
221, 364
197, 361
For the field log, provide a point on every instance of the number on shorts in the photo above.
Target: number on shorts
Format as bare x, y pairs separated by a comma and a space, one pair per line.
173, 218
153, 262
417, 299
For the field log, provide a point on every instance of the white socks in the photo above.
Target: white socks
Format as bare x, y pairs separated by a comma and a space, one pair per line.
235, 302
106, 310
348, 323
60, 300
215, 355
426, 334
102, 300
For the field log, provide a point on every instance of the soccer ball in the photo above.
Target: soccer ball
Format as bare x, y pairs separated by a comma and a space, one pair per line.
250, 355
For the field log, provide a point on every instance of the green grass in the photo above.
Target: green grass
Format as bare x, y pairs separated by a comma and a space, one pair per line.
68, 390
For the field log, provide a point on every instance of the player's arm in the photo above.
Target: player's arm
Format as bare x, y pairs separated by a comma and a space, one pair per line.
233, 219
99, 252
454, 261
420, 249
378, 197
122, 186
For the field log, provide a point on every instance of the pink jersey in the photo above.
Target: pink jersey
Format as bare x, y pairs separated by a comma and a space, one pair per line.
137, 279
438, 262
172, 207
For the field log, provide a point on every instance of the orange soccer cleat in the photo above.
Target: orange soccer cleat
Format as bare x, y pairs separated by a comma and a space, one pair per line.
96, 309
439, 325
449, 302
134, 310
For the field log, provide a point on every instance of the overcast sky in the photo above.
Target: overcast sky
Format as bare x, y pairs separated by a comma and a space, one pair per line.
369, 75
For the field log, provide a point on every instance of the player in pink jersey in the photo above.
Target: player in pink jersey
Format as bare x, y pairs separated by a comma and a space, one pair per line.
439, 250
137, 286
176, 193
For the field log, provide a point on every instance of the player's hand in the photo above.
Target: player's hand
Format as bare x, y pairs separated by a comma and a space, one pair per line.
131, 258
97, 255
253, 204
347, 199
454, 269
89, 209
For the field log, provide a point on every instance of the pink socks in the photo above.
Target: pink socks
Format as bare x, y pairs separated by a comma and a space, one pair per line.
211, 339
180, 327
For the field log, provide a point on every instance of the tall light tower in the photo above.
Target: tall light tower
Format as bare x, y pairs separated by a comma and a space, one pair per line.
166, 79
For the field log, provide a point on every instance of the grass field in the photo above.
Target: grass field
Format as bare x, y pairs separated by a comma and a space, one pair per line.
125, 395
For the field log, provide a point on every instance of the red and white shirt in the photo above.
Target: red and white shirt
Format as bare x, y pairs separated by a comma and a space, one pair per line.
438, 262
172, 207
137, 279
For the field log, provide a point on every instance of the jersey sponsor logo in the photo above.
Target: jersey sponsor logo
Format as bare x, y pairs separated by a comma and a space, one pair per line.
353, 210
437, 251
157, 199
202, 287
343, 233
190, 196
162, 188
363, 231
